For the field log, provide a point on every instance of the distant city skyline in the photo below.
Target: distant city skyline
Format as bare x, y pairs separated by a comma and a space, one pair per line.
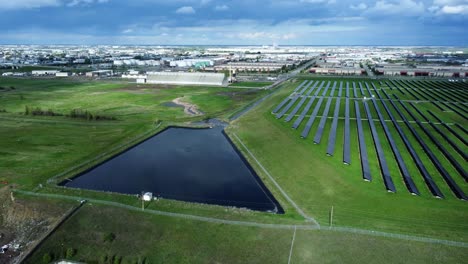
242, 22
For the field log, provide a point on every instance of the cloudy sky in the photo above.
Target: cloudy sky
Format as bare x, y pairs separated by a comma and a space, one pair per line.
285, 22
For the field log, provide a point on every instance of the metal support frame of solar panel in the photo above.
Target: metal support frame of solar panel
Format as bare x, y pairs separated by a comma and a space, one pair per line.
355, 90
420, 165
312, 118
462, 128
444, 151
445, 175
454, 110
408, 90
277, 108
362, 89
397, 87
451, 95
307, 108
433, 100
366, 174
347, 89
298, 106
333, 89
410, 86
380, 153
347, 137
323, 121
332, 135
293, 101
455, 146
396, 152
341, 88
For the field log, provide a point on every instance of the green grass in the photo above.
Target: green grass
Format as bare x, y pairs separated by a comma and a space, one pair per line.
34, 148
250, 84
316, 182
160, 239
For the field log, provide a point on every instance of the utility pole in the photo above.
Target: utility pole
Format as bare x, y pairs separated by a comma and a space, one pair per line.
331, 217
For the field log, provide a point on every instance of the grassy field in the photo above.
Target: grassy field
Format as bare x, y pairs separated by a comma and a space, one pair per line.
250, 84
36, 148
158, 239
317, 182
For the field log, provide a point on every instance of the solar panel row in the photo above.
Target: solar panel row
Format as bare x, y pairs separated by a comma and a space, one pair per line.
380, 153
366, 174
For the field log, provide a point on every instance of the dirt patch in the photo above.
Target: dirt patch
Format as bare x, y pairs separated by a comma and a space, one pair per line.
22, 222
189, 109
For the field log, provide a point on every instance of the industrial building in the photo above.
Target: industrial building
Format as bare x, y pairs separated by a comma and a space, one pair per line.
44, 72
338, 70
252, 66
423, 70
185, 78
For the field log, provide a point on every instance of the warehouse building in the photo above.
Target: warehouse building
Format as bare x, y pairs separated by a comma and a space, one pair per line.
186, 78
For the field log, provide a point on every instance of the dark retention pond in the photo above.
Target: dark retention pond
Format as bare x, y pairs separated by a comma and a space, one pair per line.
187, 164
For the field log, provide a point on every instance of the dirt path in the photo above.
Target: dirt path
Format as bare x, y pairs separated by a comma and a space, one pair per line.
189, 109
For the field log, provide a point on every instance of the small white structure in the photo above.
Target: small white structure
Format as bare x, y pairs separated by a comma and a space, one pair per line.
44, 72
147, 196
62, 74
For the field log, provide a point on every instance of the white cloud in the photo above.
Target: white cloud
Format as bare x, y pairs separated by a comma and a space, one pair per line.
185, 10
400, 8
221, 7
360, 6
85, 2
20, 4
455, 10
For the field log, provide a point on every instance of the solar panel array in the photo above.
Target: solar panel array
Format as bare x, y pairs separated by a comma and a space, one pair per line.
401, 133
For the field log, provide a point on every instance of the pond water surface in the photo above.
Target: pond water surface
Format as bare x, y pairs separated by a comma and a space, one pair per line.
195, 165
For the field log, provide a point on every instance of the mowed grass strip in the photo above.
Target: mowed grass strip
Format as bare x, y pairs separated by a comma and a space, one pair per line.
97, 234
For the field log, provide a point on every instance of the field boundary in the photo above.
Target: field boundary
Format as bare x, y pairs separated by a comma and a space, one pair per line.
285, 195
253, 224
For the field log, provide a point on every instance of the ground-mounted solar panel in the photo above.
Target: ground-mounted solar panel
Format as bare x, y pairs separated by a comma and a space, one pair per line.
312, 117
366, 174
457, 135
396, 152
347, 89
304, 112
455, 110
323, 120
326, 89
277, 108
444, 173
380, 152
306, 109
347, 136
461, 128
341, 88
299, 105
300, 86
332, 135
444, 151
332, 93
355, 91
318, 90
361, 89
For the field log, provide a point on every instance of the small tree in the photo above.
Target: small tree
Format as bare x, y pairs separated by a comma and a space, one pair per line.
46, 258
70, 253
